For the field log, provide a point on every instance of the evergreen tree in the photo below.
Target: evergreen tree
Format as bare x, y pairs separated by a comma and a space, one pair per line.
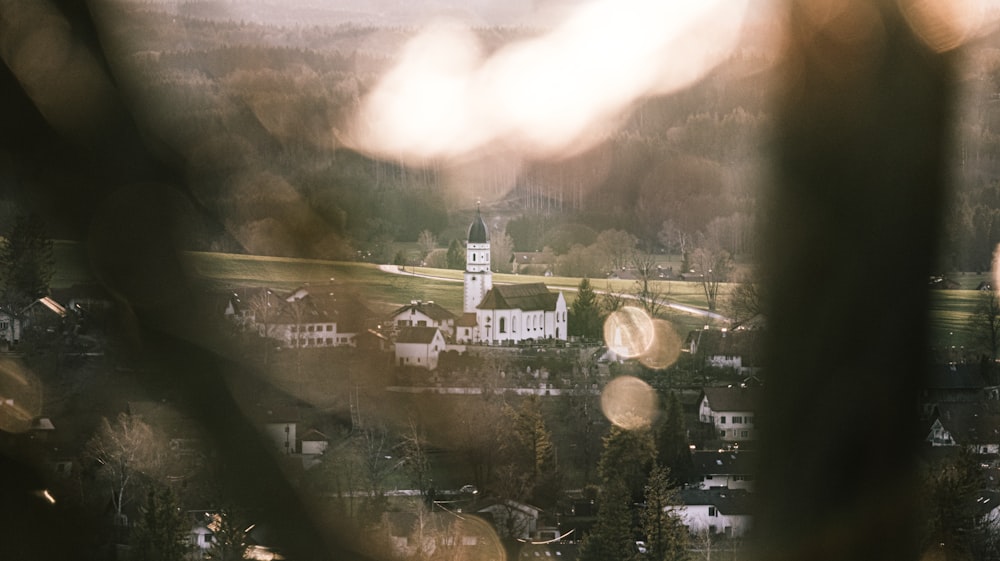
530, 449
455, 258
585, 313
26, 263
162, 530
628, 456
611, 538
665, 533
672, 444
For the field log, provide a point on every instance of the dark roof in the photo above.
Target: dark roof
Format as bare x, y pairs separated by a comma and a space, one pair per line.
532, 296
956, 377
745, 343
325, 306
434, 311
467, 319
727, 501
422, 335
731, 398
970, 423
729, 461
477, 231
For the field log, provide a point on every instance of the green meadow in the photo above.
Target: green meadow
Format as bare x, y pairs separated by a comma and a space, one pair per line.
382, 291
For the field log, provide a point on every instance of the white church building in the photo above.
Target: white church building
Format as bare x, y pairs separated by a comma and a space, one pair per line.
508, 314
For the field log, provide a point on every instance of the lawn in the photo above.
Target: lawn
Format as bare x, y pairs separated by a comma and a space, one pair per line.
949, 309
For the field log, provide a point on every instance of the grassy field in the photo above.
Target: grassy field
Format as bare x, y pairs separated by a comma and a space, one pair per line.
949, 311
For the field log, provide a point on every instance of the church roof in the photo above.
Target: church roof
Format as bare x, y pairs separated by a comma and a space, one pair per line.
477, 231
533, 296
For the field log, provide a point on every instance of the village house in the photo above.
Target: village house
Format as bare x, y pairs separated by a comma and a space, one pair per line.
716, 511
738, 350
307, 317
419, 346
725, 469
974, 426
729, 411
422, 314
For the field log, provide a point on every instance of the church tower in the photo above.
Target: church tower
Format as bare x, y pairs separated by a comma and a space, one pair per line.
478, 277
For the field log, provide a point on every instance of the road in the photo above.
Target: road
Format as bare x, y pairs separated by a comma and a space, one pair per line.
396, 270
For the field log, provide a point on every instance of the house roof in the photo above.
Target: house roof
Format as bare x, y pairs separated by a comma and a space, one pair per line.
421, 335
745, 343
970, 423
731, 398
467, 319
727, 501
434, 311
529, 297
986, 501
313, 435
323, 305
729, 461
954, 376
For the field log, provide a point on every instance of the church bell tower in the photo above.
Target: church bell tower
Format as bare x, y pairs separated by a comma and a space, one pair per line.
478, 277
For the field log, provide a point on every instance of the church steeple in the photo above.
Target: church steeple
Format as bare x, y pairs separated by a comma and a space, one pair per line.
477, 231
478, 277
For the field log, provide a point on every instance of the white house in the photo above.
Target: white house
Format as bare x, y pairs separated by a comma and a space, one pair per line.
423, 314
419, 346
975, 426
730, 410
717, 511
309, 317
496, 315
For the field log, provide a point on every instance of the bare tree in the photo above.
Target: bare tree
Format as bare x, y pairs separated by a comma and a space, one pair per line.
714, 264
264, 310
673, 238
124, 450
427, 243
618, 248
747, 300
647, 291
502, 253
985, 323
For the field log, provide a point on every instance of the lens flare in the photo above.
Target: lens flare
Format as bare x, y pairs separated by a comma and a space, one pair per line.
665, 348
628, 332
629, 403
20, 396
551, 95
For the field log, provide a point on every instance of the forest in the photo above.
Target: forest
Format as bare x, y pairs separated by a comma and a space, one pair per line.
255, 115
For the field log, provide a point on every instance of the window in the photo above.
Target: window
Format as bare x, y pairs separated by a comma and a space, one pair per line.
712, 512
737, 420
722, 420
329, 328
748, 420
722, 434
503, 325
744, 434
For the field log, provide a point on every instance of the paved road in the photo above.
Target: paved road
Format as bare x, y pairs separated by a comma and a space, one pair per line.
396, 270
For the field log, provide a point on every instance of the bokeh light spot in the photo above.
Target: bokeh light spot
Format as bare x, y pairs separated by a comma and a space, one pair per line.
665, 348
629, 403
628, 332
20, 396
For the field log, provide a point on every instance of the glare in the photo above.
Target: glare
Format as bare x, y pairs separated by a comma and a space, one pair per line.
628, 332
665, 347
551, 95
629, 403
947, 24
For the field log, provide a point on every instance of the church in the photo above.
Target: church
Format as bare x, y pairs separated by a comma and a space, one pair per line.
506, 314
